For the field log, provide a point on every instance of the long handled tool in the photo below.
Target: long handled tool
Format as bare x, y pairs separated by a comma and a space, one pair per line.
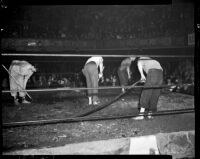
17, 82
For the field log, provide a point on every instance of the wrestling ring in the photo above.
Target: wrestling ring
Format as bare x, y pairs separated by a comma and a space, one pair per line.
84, 115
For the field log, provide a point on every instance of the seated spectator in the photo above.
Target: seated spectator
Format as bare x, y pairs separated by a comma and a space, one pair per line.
42, 81
65, 82
5, 84
114, 80
52, 82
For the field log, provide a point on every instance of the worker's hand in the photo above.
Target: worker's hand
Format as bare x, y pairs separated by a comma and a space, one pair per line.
100, 75
143, 79
83, 70
103, 67
102, 79
34, 69
30, 71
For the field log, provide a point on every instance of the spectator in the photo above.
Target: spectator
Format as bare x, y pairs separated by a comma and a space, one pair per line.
5, 84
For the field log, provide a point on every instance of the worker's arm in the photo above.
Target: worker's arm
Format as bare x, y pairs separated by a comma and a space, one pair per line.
101, 68
129, 72
140, 68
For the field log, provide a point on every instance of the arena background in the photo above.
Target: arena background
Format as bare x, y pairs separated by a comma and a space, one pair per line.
165, 29
161, 30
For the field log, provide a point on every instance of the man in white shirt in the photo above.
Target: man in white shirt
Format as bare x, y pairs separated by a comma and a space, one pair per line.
20, 72
154, 77
92, 76
124, 72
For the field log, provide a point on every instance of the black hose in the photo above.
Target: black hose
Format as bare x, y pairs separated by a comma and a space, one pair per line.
109, 103
80, 117
94, 118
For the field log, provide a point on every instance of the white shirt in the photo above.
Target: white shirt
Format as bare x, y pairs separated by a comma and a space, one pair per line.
147, 63
98, 60
21, 67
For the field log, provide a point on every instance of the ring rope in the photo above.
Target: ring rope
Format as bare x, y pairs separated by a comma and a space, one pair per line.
84, 88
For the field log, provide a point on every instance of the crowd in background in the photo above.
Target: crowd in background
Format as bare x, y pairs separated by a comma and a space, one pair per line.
181, 76
103, 22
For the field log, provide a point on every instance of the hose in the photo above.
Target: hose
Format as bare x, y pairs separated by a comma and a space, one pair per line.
109, 103
93, 118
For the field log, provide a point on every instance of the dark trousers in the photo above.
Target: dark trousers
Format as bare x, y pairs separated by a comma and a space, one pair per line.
91, 74
123, 77
149, 97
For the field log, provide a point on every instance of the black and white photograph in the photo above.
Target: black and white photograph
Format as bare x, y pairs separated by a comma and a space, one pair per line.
98, 79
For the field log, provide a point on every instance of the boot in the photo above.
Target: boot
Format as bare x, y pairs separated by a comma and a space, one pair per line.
16, 101
96, 102
149, 116
90, 100
123, 90
141, 114
24, 101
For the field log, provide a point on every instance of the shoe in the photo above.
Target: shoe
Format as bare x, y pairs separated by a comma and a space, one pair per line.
25, 101
90, 103
90, 100
96, 102
16, 101
149, 115
140, 117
